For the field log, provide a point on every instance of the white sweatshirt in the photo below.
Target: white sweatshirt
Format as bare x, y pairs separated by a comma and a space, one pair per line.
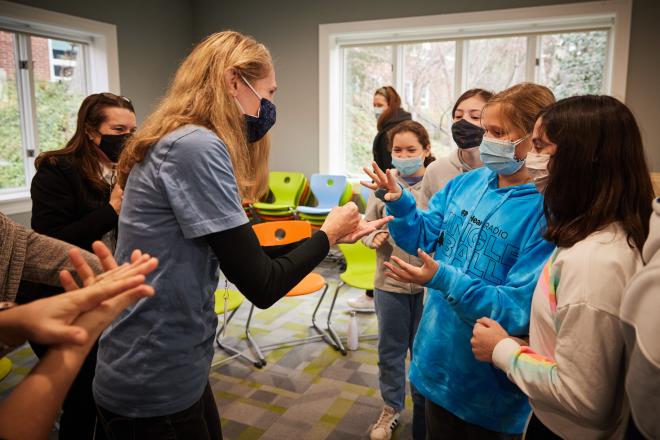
573, 369
640, 313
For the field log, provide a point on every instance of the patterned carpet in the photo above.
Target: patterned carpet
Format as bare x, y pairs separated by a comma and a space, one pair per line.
307, 391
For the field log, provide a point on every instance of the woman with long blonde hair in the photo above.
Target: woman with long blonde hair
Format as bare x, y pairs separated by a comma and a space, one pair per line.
184, 174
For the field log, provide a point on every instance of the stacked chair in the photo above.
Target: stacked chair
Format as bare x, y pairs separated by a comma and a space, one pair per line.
330, 191
289, 189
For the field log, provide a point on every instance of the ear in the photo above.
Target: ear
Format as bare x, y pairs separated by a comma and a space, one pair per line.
231, 80
427, 151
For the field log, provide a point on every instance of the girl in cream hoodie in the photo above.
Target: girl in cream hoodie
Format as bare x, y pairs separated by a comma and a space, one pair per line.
589, 161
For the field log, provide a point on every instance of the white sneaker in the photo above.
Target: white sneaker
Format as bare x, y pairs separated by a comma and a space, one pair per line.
386, 424
362, 303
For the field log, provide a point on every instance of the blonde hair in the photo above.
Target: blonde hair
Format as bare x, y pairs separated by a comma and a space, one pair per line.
520, 104
199, 95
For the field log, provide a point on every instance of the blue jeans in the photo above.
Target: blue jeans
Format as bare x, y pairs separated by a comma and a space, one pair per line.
398, 318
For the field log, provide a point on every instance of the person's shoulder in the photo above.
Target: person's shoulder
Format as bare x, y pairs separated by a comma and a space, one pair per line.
604, 262
191, 140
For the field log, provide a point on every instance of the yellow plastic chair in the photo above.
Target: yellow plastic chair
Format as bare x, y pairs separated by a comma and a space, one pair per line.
360, 272
5, 367
234, 301
279, 234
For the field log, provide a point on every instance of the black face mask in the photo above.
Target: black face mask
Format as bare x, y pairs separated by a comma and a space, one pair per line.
257, 127
466, 134
113, 144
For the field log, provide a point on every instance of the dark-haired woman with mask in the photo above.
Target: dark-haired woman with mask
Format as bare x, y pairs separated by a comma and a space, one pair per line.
597, 202
74, 199
184, 173
467, 134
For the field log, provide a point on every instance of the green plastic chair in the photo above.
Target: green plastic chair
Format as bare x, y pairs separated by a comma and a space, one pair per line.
5, 367
287, 187
360, 273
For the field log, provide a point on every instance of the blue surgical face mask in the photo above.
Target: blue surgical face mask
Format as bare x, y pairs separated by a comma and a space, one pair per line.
256, 127
499, 155
407, 166
378, 111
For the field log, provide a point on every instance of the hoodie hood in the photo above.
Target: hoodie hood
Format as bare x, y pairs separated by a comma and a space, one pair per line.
399, 116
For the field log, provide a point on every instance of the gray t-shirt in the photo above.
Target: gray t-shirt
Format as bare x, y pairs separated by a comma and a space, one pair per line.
155, 358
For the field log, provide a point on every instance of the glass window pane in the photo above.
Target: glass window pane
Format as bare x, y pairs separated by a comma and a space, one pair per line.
60, 87
12, 157
428, 79
573, 63
496, 63
366, 69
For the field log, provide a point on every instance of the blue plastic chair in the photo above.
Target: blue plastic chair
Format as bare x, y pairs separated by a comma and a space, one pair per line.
365, 193
328, 190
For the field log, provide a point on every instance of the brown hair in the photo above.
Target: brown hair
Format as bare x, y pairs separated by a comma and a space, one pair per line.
420, 133
598, 174
486, 95
520, 104
80, 148
199, 95
393, 104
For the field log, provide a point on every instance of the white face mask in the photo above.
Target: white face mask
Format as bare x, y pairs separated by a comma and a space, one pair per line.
378, 111
537, 167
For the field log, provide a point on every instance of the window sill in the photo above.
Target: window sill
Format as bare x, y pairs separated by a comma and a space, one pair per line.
15, 203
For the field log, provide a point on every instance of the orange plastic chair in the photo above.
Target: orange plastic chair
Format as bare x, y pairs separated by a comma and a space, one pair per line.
278, 234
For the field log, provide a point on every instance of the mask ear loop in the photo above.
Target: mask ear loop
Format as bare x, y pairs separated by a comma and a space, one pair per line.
253, 91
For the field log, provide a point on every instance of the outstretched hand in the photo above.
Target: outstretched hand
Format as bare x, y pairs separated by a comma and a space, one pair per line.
407, 273
383, 180
364, 228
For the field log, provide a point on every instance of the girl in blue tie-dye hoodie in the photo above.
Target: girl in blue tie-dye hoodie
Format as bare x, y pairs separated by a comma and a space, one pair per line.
485, 230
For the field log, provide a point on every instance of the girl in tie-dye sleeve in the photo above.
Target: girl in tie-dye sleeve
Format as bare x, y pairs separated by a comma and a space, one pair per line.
589, 161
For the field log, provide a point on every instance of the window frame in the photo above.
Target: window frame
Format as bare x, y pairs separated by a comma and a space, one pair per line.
532, 22
101, 63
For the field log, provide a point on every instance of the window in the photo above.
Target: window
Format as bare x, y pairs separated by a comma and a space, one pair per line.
48, 63
569, 48
46, 86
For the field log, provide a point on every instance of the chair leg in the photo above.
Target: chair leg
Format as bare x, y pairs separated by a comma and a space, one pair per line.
219, 339
318, 329
330, 329
251, 340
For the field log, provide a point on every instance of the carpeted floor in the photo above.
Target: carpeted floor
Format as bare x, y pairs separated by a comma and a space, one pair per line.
307, 391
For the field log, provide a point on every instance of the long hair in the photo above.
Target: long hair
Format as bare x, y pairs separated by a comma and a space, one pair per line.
393, 104
82, 151
418, 131
519, 105
199, 95
598, 174
486, 95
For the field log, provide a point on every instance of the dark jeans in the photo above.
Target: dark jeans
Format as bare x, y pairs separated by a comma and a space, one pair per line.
536, 430
78, 419
201, 421
443, 425
398, 318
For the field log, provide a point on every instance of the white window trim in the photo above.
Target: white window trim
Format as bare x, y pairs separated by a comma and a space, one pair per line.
102, 60
614, 14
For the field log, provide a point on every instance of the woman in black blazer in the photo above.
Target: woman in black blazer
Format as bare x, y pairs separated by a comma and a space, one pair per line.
75, 200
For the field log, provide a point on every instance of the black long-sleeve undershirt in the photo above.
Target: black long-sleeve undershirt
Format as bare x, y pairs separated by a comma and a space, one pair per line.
260, 278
